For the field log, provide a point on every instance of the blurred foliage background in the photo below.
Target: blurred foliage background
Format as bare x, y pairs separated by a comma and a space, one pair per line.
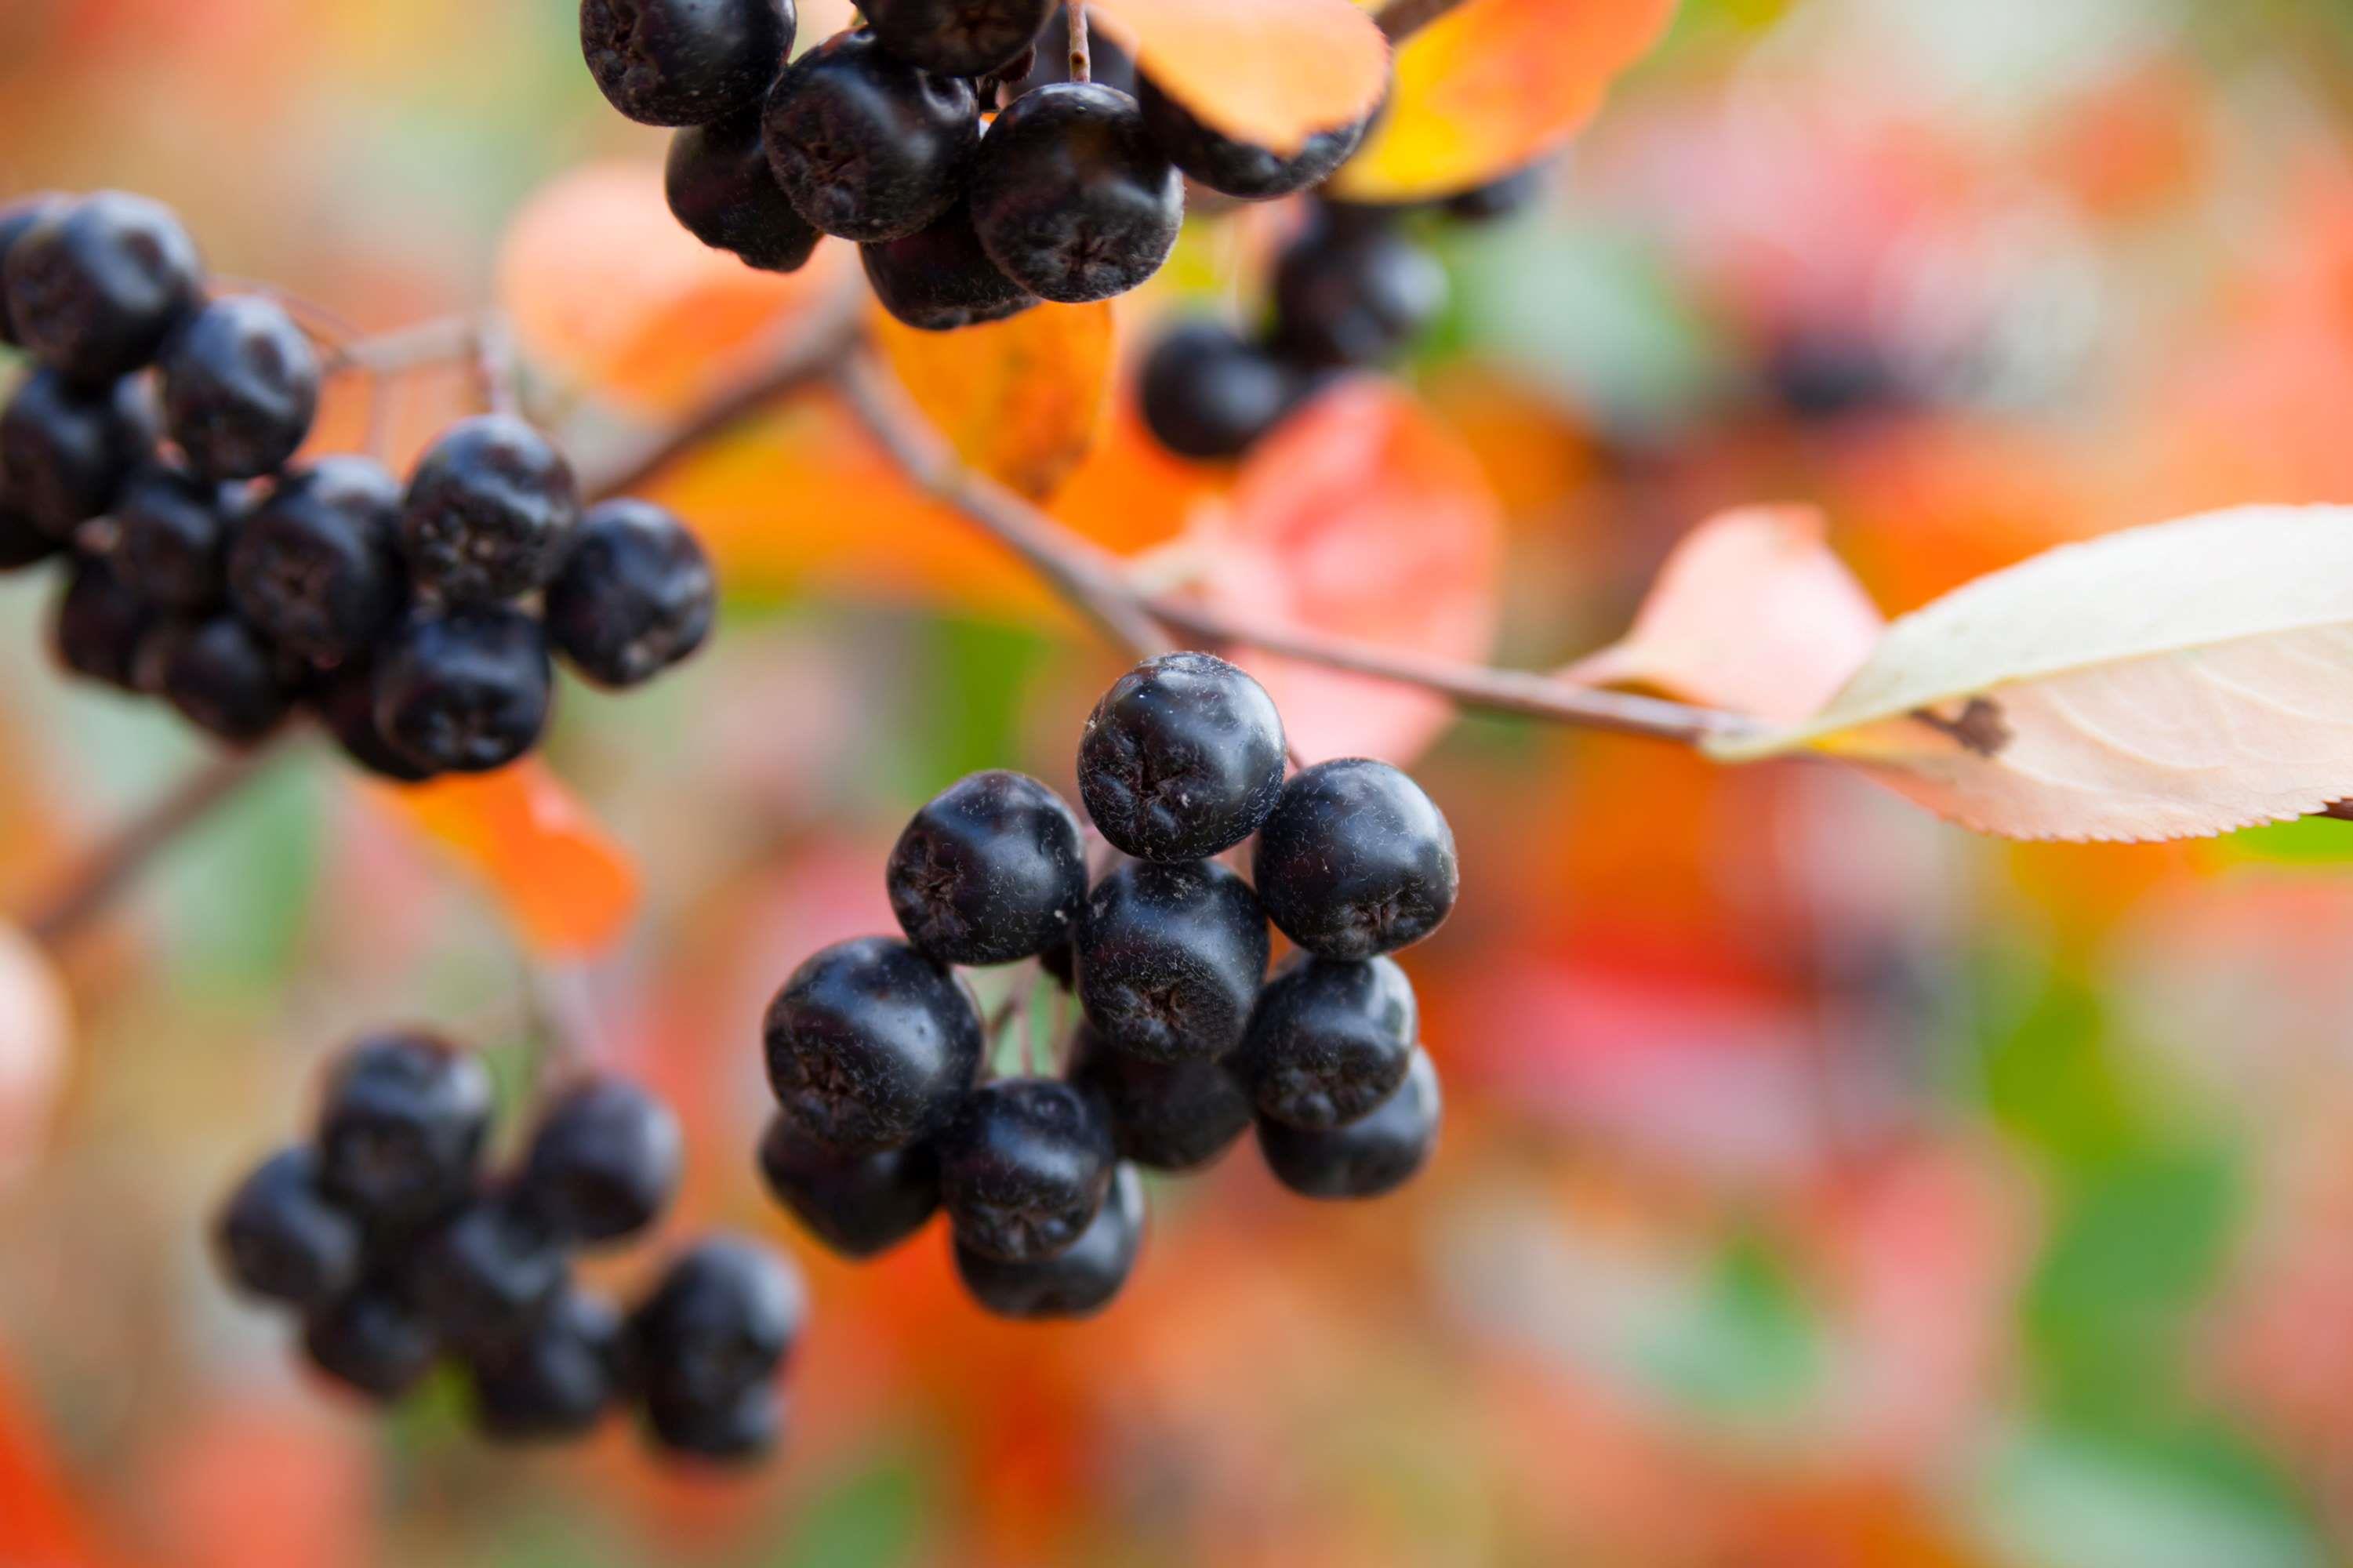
1823, 1186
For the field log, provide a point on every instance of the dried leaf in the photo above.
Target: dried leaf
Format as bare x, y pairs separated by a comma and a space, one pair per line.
1272, 72
1021, 399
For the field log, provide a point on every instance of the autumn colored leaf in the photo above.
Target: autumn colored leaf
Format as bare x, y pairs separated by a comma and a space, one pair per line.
567, 884
1493, 87
1273, 72
40, 1521
35, 1031
1021, 399
2170, 682
1752, 611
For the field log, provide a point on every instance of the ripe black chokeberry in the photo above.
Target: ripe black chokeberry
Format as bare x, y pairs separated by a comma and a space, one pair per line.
466, 690
1237, 168
485, 1278
938, 278
1355, 297
858, 1204
1330, 1041
16, 220
724, 1318
490, 509
345, 699
989, 871
603, 1162
1023, 1167
1374, 1154
314, 564
684, 62
957, 37
225, 679
96, 285
402, 1128
1069, 197
280, 1237
635, 594
240, 387
100, 624
867, 146
1182, 758
1499, 198
871, 1045
560, 1378
22, 541
64, 452
740, 1429
1206, 394
1170, 1116
1356, 860
1170, 958
372, 1341
722, 192
171, 537
1076, 1282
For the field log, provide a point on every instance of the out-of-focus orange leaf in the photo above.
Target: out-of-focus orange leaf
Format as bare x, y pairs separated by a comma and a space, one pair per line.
1493, 87
566, 884
1362, 517
1021, 399
35, 1029
1272, 72
1753, 613
40, 1523
604, 287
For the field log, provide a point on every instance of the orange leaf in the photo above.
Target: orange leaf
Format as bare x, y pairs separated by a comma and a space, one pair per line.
1021, 399
604, 287
1361, 516
566, 884
1272, 72
1492, 87
40, 1521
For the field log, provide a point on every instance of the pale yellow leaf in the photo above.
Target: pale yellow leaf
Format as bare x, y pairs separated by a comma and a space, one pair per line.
1271, 72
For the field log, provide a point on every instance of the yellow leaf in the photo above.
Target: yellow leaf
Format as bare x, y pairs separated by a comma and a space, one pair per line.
1271, 72
1021, 399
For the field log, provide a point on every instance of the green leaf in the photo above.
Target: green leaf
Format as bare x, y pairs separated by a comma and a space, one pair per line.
2048, 1075
873, 1517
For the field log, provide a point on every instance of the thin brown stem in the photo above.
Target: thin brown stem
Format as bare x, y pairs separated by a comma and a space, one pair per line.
1401, 19
496, 373
443, 339
1082, 64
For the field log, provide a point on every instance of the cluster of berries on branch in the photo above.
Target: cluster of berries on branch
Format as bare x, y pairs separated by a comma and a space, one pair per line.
151, 449
403, 1251
878, 1055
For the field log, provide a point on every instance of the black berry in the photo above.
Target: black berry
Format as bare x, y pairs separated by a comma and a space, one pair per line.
684, 62
490, 509
96, 285
16, 220
314, 564
100, 624
635, 594
1357, 860
1330, 1041
1497, 199
1069, 197
240, 387
1347, 297
722, 192
990, 871
64, 452
938, 278
1182, 758
1206, 394
1023, 1167
22, 541
280, 1237
1076, 1282
871, 1045
603, 1162
372, 1341
741, 1427
560, 1377
171, 537
1237, 168
1170, 1116
484, 1279
858, 1204
345, 699
402, 1128
1374, 1154
957, 37
1170, 958
225, 679
466, 690
867, 146
722, 1319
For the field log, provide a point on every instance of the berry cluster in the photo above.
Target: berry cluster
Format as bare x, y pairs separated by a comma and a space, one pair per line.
150, 447
400, 1252
1353, 291
876, 1048
890, 135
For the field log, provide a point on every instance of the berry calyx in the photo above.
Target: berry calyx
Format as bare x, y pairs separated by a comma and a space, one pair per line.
1356, 860
1169, 1116
867, 146
1077, 1283
464, 691
989, 871
171, 538
98, 284
1206, 394
858, 1204
489, 510
1169, 959
635, 594
603, 1161
240, 387
313, 564
938, 278
1330, 1041
1023, 1168
1375, 1154
1069, 197
722, 191
1237, 168
1182, 758
684, 62
402, 1128
64, 451
957, 37
871, 1045
280, 1236
225, 679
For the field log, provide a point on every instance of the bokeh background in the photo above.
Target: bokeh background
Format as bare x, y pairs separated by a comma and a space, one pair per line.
1823, 1186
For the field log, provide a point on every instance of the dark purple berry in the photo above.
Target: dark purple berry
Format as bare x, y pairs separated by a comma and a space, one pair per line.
463, 691
858, 1204
225, 679
871, 1045
64, 452
22, 541
1076, 1282
345, 699
402, 1128
16, 220
1170, 1116
684, 62
635, 594
724, 1318
1069, 197
1206, 394
279, 1236
314, 564
560, 1378
1170, 957
240, 387
957, 37
96, 285
742, 1427
1182, 758
990, 871
938, 278
1023, 1168
603, 1161
722, 192
1356, 860
1346, 298
371, 1341
489, 509
1330, 1041
867, 146
485, 1278
1374, 1154
171, 537
100, 624
1237, 168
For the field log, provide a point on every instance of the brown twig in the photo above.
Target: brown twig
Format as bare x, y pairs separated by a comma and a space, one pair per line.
1401, 19
1082, 64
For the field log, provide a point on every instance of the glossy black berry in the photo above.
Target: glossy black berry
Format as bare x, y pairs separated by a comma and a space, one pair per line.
1374, 1154
1330, 1041
96, 285
989, 871
871, 1045
867, 146
240, 387
1076, 1282
16, 220
64, 452
280, 1237
402, 1128
100, 624
225, 679
1237, 168
938, 278
741, 1427
635, 594
372, 1341
171, 537
1170, 1116
1170, 958
1206, 394
1357, 860
1360, 297
858, 1204
603, 1161
464, 691
1069, 197
722, 192
559, 1378
345, 699
485, 1278
684, 62
1023, 1168
489, 509
957, 37
1182, 758
314, 564
22, 541
723, 1318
